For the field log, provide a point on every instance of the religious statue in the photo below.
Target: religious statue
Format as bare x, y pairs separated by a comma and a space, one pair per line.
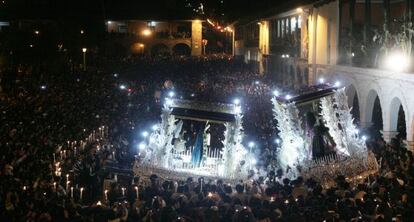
321, 142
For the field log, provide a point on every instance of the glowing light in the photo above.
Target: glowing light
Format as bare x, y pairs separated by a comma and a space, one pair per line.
151, 140
364, 138
141, 146
84, 49
288, 97
237, 109
144, 134
109, 22
277, 141
283, 56
146, 32
43, 87
251, 144
287, 56
192, 94
276, 93
254, 161
357, 131
321, 80
154, 127
337, 84
171, 94
37, 32
353, 54
257, 82
123, 87
168, 102
99, 203
397, 62
259, 23
299, 10
115, 75
236, 101
81, 31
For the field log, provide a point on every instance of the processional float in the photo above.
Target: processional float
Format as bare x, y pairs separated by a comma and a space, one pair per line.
347, 154
167, 156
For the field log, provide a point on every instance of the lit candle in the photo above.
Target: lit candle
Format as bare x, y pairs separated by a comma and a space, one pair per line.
54, 185
81, 193
136, 190
123, 191
71, 192
106, 194
67, 177
67, 186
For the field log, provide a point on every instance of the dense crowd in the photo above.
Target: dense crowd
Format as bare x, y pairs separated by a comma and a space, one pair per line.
42, 111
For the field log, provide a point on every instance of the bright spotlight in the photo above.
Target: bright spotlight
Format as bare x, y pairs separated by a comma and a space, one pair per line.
123, 87
144, 134
251, 144
277, 141
236, 101
283, 56
146, 32
276, 93
397, 62
337, 84
321, 80
154, 127
141, 145
288, 97
254, 161
171, 94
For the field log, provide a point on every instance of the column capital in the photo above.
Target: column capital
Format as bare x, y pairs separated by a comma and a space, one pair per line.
388, 135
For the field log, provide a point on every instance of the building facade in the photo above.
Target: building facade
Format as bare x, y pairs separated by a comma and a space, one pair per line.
365, 44
181, 37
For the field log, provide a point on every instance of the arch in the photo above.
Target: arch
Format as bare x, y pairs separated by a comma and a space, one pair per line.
181, 49
374, 113
397, 121
353, 101
160, 49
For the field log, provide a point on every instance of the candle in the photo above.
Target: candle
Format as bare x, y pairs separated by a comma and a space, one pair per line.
54, 185
67, 177
67, 186
136, 190
24, 187
71, 192
106, 194
81, 193
123, 191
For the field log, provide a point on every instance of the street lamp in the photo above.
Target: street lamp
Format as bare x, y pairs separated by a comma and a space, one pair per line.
84, 58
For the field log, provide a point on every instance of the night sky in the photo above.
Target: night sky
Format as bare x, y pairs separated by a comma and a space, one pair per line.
224, 10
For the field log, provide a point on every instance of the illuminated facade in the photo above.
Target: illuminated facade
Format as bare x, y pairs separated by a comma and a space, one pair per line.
182, 37
348, 40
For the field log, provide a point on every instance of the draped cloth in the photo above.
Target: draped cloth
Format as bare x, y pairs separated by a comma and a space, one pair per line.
197, 154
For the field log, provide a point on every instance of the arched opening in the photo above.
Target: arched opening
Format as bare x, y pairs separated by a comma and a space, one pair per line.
182, 49
377, 122
353, 102
397, 118
160, 50
373, 114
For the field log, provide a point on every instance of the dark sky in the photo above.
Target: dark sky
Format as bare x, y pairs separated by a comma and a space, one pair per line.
161, 9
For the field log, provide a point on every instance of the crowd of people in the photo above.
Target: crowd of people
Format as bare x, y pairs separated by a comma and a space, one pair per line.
41, 112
